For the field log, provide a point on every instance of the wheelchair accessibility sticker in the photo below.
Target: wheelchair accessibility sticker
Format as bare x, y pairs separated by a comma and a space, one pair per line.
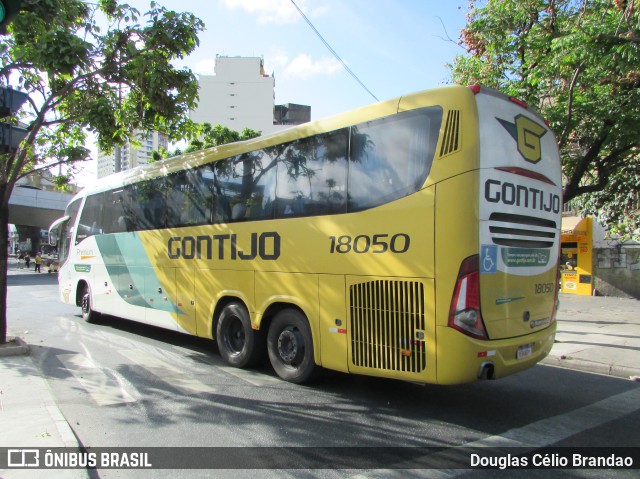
488, 259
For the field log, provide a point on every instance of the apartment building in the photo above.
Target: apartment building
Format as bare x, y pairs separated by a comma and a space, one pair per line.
131, 155
241, 95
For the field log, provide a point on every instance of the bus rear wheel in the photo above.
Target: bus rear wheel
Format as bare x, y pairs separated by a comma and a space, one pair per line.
239, 344
290, 346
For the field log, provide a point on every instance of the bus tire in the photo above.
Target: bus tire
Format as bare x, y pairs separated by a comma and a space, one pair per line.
88, 314
290, 346
239, 344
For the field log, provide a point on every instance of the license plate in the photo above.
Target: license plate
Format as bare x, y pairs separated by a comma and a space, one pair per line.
523, 351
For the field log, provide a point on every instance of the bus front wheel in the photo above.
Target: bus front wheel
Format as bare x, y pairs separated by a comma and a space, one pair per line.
88, 314
290, 346
239, 344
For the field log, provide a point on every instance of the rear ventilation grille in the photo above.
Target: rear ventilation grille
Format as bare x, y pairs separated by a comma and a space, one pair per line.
387, 325
451, 137
522, 231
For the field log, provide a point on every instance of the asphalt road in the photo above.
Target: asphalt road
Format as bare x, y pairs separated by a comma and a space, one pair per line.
119, 383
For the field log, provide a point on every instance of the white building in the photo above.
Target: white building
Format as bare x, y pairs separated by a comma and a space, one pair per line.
240, 95
129, 155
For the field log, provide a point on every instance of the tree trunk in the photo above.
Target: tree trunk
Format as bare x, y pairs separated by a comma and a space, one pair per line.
4, 262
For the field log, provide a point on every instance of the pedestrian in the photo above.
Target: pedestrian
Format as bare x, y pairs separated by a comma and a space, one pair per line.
38, 262
27, 260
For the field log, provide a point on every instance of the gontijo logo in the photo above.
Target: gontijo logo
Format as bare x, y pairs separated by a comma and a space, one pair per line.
527, 134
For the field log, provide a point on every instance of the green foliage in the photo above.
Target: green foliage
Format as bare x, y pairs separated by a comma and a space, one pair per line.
578, 63
207, 136
82, 77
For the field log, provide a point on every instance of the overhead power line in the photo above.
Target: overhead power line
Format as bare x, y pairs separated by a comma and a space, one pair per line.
333, 52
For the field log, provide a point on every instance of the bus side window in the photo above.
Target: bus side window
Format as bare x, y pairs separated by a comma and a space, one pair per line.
201, 195
91, 218
186, 200
246, 186
113, 214
312, 176
148, 204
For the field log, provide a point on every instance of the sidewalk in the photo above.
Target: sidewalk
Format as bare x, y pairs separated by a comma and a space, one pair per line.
599, 335
28, 413
595, 334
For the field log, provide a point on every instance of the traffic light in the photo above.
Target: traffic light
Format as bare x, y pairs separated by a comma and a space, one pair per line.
8, 10
10, 135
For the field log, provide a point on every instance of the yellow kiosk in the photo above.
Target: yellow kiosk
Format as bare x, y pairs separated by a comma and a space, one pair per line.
576, 261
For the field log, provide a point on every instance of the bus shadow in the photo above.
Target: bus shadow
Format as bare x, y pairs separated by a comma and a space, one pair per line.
201, 350
336, 408
385, 404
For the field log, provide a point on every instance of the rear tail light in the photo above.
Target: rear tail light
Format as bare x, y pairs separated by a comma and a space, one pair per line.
475, 88
464, 314
518, 102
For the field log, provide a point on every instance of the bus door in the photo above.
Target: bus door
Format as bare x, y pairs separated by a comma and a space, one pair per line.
148, 292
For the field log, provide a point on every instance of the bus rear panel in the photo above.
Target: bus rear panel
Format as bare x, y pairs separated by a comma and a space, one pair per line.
501, 315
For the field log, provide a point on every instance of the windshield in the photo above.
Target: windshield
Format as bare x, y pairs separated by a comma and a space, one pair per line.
64, 230
64, 240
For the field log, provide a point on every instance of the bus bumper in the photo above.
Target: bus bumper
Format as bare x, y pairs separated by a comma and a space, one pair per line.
462, 359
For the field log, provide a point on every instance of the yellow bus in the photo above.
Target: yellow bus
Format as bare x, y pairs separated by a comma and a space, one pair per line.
415, 239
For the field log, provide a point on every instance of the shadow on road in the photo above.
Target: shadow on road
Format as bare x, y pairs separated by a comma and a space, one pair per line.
26, 277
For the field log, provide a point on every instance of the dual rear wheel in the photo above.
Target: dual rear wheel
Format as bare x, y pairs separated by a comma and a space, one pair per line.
288, 341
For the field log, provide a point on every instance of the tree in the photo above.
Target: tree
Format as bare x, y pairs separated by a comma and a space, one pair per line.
208, 136
578, 63
83, 78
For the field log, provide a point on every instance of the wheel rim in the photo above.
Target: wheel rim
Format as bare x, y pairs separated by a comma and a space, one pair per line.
234, 338
291, 346
86, 307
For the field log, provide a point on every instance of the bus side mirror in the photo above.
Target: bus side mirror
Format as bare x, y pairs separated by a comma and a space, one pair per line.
53, 237
54, 230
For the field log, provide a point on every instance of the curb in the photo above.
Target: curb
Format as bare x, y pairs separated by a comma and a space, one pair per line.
622, 372
66, 432
14, 347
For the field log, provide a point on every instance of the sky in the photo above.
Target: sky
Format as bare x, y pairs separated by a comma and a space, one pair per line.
394, 47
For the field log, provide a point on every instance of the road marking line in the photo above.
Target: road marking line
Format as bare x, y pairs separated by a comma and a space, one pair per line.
252, 377
105, 389
178, 378
543, 433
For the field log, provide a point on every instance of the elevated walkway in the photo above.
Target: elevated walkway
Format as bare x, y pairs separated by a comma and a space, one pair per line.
29, 206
